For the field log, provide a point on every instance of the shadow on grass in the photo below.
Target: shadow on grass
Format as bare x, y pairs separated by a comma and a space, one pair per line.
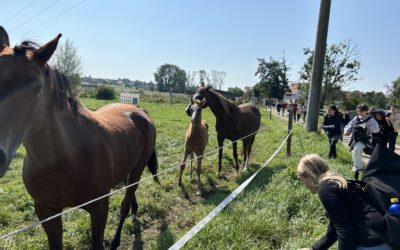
165, 239
138, 242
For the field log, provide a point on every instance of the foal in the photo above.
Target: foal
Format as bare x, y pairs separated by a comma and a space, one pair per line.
196, 140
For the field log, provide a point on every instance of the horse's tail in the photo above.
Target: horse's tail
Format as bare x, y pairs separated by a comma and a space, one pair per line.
153, 166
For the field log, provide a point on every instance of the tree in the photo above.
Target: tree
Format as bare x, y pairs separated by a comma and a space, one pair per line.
341, 66
394, 91
67, 61
202, 76
170, 77
273, 77
216, 79
236, 91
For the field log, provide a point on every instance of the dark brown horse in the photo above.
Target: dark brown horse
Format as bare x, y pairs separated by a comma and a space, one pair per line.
73, 155
233, 123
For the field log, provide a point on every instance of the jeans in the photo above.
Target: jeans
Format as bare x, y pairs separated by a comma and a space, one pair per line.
392, 136
357, 156
379, 247
332, 145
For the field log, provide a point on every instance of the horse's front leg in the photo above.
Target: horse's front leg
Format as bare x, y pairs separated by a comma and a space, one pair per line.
98, 214
53, 228
220, 152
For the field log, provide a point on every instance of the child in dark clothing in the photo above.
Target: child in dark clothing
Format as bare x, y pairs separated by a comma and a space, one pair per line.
384, 128
353, 221
332, 126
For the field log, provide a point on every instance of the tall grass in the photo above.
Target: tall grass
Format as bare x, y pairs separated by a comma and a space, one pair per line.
274, 211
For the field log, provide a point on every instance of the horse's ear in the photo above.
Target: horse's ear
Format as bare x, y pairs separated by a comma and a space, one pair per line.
208, 87
4, 37
44, 53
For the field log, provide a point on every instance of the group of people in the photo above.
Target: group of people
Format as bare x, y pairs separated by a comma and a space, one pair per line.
354, 221
368, 128
299, 110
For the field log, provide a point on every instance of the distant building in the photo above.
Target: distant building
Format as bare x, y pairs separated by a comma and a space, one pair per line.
294, 93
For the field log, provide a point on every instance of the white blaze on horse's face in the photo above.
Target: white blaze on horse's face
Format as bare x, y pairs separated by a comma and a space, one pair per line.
21, 87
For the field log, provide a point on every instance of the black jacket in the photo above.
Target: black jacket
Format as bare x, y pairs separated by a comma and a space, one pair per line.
332, 120
352, 219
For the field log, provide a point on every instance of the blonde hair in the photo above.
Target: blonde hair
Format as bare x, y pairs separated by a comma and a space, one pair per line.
314, 166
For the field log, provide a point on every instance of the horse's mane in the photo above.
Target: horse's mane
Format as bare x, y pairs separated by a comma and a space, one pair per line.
63, 93
227, 105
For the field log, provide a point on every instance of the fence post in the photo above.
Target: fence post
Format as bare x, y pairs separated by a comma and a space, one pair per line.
289, 140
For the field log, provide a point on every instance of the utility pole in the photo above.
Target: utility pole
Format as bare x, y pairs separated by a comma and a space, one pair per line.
317, 72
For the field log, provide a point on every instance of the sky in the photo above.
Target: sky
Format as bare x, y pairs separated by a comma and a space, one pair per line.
132, 38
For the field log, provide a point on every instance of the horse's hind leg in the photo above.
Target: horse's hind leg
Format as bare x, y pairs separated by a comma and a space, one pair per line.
53, 228
244, 152
235, 155
98, 213
134, 207
125, 206
248, 151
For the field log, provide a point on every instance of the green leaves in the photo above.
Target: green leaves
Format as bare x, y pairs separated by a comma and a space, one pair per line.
170, 77
273, 78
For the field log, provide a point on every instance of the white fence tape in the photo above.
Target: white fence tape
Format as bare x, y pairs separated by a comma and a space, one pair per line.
182, 241
23, 229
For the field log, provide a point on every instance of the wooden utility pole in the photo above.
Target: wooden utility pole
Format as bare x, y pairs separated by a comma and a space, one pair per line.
317, 72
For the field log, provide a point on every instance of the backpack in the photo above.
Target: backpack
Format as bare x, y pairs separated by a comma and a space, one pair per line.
359, 134
360, 130
381, 181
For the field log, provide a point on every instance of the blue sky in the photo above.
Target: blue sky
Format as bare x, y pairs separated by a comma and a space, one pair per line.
131, 39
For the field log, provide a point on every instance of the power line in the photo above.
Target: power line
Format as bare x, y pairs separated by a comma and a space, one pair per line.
19, 12
56, 16
38, 14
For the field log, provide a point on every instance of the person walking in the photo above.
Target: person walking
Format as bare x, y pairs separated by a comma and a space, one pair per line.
331, 126
393, 118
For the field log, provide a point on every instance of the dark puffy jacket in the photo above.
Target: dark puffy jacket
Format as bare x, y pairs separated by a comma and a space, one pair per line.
329, 121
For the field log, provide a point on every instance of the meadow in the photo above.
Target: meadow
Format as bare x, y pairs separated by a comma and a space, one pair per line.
274, 212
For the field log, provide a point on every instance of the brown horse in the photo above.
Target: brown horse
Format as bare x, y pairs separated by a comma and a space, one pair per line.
73, 155
196, 141
233, 123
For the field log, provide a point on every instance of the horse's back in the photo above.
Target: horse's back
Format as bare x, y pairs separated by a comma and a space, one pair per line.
250, 113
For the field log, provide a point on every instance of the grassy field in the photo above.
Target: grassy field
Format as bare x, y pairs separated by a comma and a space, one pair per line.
274, 212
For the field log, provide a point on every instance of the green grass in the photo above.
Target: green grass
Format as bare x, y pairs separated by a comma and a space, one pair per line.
274, 211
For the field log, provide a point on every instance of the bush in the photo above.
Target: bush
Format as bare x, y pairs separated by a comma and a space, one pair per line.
105, 93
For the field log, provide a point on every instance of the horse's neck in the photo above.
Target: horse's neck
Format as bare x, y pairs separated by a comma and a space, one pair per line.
216, 106
56, 137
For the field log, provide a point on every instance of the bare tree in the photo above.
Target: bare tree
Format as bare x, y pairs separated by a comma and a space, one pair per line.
67, 61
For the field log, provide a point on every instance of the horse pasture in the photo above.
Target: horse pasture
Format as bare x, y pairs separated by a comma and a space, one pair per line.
274, 212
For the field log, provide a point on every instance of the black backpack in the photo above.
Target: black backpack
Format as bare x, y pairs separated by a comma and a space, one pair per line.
359, 134
381, 181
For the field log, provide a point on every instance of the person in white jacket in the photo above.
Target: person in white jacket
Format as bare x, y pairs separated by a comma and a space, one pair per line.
362, 127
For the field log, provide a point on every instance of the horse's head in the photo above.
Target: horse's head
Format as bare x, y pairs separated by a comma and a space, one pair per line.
22, 76
198, 100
